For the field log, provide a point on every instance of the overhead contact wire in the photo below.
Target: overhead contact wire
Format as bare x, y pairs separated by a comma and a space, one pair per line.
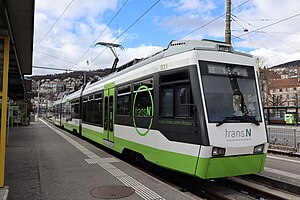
54, 24
266, 34
213, 20
128, 28
112, 19
272, 24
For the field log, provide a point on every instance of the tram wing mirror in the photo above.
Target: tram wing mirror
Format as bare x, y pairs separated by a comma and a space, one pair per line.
184, 100
182, 95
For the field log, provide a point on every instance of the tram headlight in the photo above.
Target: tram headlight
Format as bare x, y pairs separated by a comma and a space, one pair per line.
259, 148
217, 151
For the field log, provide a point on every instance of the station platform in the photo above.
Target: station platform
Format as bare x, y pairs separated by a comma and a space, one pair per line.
282, 168
45, 162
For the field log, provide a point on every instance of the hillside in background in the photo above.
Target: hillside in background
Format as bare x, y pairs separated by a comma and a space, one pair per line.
75, 74
292, 64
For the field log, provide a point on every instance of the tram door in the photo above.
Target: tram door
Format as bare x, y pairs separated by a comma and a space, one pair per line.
109, 98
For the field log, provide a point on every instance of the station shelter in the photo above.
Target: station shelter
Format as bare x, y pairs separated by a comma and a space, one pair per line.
16, 47
288, 115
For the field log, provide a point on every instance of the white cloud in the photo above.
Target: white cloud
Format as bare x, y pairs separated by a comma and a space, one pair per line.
275, 57
190, 16
190, 6
269, 42
85, 20
142, 51
72, 35
275, 43
77, 9
75, 33
106, 59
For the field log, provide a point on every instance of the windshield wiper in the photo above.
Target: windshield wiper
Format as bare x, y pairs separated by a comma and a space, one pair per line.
250, 119
226, 119
245, 118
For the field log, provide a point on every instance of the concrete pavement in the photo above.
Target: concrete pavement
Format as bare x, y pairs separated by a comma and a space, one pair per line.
4, 193
44, 162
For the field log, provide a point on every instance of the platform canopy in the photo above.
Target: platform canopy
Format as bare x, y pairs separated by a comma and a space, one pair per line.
17, 21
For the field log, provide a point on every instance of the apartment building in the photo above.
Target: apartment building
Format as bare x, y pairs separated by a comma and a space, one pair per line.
284, 92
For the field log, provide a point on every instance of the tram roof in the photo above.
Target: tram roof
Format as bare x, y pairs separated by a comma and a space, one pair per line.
175, 47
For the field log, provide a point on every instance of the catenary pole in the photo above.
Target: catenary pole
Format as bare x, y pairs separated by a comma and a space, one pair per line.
228, 22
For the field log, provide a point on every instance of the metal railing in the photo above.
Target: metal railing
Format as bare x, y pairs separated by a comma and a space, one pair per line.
284, 139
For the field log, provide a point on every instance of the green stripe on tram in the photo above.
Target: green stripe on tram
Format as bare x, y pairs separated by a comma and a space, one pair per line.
230, 166
176, 161
92, 135
109, 85
206, 167
70, 127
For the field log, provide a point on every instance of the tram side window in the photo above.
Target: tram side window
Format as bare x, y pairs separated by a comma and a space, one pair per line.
54, 111
183, 100
75, 109
57, 111
85, 109
143, 92
67, 107
98, 109
91, 110
72, 108
167, 96
62, 110
124, 100
176, 96
148, 83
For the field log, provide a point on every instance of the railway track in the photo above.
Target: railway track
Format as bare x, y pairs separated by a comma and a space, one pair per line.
248, 187
242, 188
295, 155
258, 190
238, 188
273, 183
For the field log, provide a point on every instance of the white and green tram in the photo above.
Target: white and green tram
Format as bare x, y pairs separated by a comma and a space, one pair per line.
193, 107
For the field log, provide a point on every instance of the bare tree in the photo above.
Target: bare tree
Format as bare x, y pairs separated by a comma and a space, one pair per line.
262, 62
275, 100
295, 99
262, 66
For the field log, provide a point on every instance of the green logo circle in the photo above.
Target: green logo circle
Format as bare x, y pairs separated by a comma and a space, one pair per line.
143, 87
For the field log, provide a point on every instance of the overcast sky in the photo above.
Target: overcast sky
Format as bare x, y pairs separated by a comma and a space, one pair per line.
66, 30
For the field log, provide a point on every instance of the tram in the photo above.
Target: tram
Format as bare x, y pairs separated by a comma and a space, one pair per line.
193, 107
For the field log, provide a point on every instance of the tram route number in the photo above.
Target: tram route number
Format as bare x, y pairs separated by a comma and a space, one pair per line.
163, 67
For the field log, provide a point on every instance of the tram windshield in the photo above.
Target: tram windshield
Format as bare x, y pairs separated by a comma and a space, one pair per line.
230, 93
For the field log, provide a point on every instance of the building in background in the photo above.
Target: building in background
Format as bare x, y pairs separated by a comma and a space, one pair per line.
280, 91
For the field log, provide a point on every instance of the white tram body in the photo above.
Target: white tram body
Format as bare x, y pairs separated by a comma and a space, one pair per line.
194, 107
